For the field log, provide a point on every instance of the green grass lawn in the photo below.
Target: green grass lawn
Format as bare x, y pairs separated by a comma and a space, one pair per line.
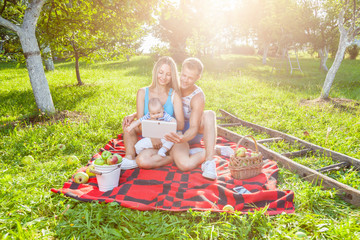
238, 84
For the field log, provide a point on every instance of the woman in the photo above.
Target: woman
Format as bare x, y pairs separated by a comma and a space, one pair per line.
165, 86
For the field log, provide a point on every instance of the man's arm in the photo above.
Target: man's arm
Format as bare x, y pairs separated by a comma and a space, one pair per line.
197, 109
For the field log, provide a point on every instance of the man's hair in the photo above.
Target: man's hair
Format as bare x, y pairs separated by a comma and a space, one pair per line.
153, 102
193, 64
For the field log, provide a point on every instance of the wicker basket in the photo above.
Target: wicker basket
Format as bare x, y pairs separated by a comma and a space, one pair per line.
246, 167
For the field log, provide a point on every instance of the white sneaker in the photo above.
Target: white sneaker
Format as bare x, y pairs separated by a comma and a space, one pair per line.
209, 169
226, 150
128, 164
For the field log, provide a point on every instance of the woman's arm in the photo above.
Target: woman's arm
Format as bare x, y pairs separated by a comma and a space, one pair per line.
140, 101
178, 111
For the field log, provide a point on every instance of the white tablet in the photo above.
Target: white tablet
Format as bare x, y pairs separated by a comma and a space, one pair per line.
157, 129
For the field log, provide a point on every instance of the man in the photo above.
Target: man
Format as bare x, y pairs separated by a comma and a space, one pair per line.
198, 124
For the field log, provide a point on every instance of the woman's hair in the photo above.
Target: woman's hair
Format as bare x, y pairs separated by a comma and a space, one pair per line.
175, 82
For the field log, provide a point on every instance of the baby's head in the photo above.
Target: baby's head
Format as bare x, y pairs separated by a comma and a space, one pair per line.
156, 109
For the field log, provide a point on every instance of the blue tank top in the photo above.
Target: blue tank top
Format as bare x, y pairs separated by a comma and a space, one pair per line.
168, 107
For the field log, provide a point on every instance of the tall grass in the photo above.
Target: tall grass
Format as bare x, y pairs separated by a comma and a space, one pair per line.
238, 84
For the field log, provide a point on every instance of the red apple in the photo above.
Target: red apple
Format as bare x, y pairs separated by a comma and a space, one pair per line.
112, 160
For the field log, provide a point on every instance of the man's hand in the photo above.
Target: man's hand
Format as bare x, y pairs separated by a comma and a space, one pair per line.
174, 137
156, 142
128, 120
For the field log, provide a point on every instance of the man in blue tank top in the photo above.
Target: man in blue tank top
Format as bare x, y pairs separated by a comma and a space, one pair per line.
199, 123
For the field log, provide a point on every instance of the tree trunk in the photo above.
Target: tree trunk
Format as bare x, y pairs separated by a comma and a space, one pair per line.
77, 69
344, 42
265, 53
30, 47
49, 64
324, 54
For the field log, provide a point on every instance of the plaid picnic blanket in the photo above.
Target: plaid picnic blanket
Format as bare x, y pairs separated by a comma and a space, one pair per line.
168, 188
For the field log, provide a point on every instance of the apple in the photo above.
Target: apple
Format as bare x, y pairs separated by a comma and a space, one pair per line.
72, 160
112, 160
88, 172
61, 147
119, 157
248, 154
228, 208
254, 154
81, 177
105, 155
300, 234
28, 160
99, 161
240, 152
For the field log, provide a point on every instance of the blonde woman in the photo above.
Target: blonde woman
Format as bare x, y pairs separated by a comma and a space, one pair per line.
165, 86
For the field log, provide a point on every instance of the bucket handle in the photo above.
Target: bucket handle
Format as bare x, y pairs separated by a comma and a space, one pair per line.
100, 173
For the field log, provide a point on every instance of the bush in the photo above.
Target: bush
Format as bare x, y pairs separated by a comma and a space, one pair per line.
353, 51
243, 50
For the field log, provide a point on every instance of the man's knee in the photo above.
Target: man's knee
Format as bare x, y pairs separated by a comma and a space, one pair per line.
209, 116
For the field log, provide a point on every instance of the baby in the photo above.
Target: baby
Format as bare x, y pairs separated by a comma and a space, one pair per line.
156, 112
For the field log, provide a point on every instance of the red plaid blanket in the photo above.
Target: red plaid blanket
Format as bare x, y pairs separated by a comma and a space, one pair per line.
168, 188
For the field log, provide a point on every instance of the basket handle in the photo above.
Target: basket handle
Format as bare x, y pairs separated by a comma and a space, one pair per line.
256, 146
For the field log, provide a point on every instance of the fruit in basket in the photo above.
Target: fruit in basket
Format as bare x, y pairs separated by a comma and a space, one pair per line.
254, 154
228, 208
81, 177
88, 172
240, 152
105, 155
99, 161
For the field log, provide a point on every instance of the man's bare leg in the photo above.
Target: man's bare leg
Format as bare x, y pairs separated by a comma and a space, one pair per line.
208, 128
180, 154
149, 158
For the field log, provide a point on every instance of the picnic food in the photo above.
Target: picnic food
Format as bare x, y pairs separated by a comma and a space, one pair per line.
114, 159
61, 147
88, 172
81, 177
99, 161
228, 208
241, 152
105, 155
72, 160
28, 160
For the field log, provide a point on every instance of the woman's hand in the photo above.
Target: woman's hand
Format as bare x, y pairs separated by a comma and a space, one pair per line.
156, 142
128, 120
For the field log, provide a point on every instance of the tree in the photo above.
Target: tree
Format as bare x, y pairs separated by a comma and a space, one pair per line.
349, 28
94, 29
30, 47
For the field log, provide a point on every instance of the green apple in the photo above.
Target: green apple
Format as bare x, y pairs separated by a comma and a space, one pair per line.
99, 161
240, 152
81, 177
228, 208
61, 147
114, 159
105, 155
300, 234
72, 160
88, 172
28, 160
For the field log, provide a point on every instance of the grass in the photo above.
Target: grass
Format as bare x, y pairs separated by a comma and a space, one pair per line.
238, 84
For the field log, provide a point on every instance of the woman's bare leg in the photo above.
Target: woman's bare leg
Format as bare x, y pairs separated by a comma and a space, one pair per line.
149, 159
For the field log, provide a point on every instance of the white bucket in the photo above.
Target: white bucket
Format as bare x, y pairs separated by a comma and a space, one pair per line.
107, 176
